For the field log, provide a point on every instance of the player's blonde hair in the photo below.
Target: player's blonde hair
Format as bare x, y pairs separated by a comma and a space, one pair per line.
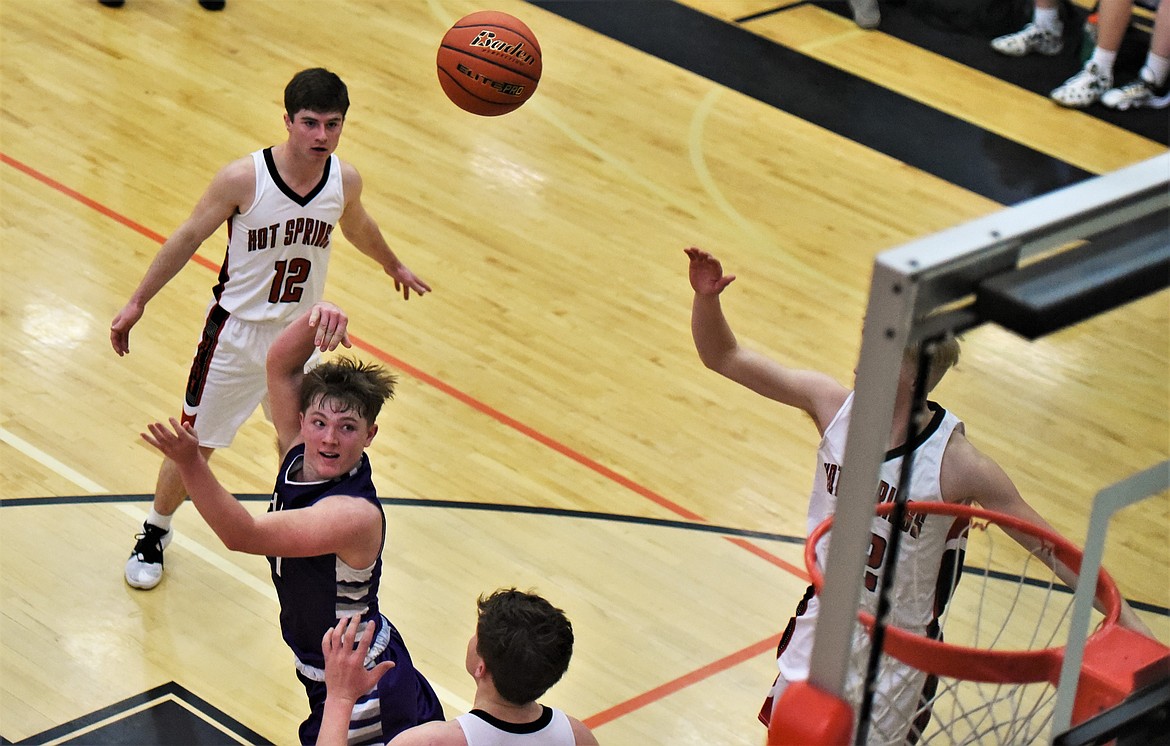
945, 355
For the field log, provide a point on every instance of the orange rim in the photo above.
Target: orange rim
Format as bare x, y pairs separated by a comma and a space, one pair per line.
967, 663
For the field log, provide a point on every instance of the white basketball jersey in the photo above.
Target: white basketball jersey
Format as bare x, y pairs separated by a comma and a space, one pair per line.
552, 728
278, 249
924, 537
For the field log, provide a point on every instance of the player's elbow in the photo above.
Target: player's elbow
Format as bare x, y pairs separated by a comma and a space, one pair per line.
718, 361
235, 541
239, 536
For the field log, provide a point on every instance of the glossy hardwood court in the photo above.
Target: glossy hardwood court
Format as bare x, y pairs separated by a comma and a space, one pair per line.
553, 428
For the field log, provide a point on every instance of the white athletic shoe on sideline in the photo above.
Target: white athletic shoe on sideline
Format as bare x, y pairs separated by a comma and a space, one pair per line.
1085, 88
1029, 39
144, 569
1140, 93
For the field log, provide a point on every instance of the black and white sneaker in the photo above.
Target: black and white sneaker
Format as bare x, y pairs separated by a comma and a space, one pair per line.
1030, 39
1085, 88
144, 569
1140, 93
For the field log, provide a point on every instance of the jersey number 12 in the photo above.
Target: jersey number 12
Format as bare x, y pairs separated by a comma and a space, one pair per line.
290, 275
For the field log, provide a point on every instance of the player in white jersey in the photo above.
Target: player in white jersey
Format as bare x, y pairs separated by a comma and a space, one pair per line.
931, 547
281, 205
521, 647
946, 466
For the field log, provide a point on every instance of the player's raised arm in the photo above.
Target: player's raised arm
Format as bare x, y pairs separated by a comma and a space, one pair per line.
346, 677
816, 393
323, 327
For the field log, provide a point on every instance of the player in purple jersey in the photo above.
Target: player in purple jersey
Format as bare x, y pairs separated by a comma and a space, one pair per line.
324, 531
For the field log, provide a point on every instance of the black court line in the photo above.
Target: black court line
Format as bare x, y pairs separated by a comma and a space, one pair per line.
161, 721
1035, 73
878, 118
450, 504
770, 11
409, 502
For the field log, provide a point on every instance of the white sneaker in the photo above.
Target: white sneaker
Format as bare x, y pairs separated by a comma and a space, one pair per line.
1085, 88
1137, 94
1030, 39
144, 569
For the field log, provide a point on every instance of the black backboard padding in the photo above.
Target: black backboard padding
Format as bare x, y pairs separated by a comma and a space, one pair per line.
1109, 270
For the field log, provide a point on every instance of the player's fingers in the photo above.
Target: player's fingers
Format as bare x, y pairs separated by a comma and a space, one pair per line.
367, 638
158, 435
349, 629
381, 669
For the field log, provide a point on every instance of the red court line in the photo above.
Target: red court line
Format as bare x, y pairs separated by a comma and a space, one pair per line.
47, 181
410, 369
682, 682
74, 194
536, 435
614, 712
799, 572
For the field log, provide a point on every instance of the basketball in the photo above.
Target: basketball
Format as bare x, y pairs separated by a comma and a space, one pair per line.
489, 63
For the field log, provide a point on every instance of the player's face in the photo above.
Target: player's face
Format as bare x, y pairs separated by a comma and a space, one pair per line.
334, 439
314, 133
472, 658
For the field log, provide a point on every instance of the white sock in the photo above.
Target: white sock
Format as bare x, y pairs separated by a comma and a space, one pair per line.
158, 519
1104, 59
1047, 19
1156, 70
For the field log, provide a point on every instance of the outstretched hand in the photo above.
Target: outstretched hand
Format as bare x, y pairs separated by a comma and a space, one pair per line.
346, 675
405, 281
706, 273
179, 444
121, 325
332, 325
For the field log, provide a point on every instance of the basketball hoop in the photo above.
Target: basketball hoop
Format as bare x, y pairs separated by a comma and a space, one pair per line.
1016, 666
993, 678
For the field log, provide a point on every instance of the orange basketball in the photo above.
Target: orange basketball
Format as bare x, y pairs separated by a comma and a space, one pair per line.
489, 63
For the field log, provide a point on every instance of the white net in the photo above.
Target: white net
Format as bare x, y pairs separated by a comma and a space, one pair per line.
1002, 600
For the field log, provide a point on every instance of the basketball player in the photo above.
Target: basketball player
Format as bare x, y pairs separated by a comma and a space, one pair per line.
521, 647
325, 528
946, 466
281, 205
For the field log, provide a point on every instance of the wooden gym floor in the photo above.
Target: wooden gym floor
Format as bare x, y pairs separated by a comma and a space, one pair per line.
554, 429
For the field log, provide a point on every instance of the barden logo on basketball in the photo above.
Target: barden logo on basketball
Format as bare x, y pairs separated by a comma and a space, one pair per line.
489, 63
488, 40
508, 89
